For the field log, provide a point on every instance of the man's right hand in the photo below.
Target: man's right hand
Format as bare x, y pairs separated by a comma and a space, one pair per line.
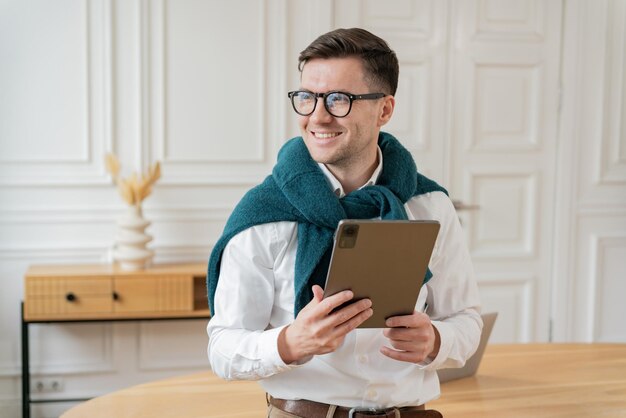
318, 331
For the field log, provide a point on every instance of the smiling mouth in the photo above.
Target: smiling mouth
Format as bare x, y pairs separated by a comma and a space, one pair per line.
325, 135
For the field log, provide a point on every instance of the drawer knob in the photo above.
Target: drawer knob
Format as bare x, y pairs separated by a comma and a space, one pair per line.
116, 296
70, 297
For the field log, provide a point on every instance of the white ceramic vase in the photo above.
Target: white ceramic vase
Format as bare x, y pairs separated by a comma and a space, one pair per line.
130, 240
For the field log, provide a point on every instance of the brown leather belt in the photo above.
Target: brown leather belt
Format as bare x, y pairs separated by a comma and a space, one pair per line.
310, 409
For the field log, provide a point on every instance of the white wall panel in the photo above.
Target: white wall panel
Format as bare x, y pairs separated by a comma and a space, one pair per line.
55, 80
599, 311
610, 288
409, 18
510, 296
505, 226
513, 19
602, 162
613, 163
411, 120
204, 106
49, 85
160, 345
71, 348
508, 106
212, 106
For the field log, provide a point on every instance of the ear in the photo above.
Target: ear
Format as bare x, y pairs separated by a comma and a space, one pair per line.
386, 110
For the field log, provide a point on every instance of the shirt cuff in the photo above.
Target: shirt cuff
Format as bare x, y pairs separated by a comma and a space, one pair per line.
446, 335
268, 342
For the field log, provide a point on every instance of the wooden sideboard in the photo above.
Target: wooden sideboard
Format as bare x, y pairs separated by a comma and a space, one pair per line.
92, 293
81, 292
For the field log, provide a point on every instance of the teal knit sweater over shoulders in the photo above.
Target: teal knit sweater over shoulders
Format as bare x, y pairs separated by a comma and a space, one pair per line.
298, 191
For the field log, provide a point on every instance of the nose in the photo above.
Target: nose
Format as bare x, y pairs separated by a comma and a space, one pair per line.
320, 114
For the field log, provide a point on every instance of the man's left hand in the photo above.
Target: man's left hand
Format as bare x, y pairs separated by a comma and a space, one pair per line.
413, 338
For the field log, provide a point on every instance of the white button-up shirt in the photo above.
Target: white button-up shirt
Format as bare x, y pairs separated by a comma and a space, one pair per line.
254, 301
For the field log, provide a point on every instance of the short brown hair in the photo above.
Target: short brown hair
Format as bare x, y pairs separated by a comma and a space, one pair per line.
379, 61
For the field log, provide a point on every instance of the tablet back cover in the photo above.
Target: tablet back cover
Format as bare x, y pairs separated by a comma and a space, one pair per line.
382, 260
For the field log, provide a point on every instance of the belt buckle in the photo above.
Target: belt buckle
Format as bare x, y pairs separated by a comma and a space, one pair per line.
367, 411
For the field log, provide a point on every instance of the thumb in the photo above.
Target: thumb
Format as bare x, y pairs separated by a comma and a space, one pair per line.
318, 293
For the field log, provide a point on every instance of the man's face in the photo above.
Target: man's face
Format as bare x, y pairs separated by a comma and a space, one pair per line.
347, 143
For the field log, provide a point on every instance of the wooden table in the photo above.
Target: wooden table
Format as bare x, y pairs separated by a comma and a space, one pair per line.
520, 380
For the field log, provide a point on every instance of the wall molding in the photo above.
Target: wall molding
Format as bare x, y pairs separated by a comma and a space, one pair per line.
602, 245
524, 288
156, 349
202, 171
157, 142
30, 215
67, 366
587, 209
97, 254
530, 30
526, 245
89, 169
529, 136
613, 143
73, 366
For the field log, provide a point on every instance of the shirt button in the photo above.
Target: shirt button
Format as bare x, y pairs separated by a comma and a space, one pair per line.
362, 359
371, 394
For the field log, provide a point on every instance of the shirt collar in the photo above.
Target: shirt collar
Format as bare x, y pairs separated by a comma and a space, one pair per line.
336, 185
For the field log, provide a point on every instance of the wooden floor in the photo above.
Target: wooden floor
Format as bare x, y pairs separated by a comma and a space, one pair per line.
534, 380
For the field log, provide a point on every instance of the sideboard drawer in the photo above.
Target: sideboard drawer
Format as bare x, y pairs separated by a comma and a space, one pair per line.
104, 291
53, 286
68, 295
60, 305
154, 294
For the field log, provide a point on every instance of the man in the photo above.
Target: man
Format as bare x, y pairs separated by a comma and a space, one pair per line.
270, 321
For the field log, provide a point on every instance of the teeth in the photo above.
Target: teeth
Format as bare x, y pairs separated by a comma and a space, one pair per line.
326, 135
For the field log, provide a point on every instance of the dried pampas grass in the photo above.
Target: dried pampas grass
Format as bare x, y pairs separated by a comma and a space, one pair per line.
135, 188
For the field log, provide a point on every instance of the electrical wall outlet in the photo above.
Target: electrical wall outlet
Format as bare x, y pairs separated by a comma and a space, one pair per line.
46, 385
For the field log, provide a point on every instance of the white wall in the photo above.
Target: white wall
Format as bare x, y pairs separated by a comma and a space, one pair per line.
589, 266
196, 85
201, 86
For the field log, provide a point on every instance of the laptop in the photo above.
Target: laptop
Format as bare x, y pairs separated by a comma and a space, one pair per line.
471, 365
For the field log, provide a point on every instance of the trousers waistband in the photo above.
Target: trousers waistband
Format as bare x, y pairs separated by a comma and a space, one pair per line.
311, 409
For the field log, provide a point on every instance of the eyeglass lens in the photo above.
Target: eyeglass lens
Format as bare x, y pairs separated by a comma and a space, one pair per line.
337, 104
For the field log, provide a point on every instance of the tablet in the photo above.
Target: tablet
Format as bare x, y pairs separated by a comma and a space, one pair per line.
384, 261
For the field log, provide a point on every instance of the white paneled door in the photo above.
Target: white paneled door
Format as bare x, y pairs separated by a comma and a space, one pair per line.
505, 94
478, 106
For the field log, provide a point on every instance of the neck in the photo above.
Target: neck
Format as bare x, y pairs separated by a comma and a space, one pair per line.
353, 177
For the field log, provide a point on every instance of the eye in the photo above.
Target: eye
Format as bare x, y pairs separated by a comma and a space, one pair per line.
337, 99
304, 96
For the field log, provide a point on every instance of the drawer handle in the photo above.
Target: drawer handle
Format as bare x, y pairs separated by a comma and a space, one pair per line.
70, 297
116, 296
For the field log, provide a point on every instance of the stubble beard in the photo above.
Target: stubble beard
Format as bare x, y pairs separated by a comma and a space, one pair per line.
346, 156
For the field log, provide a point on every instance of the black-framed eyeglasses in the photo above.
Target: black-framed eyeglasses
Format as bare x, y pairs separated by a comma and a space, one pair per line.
337, 103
